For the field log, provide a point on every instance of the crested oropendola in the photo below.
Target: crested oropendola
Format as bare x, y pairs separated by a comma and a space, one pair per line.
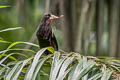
45, 34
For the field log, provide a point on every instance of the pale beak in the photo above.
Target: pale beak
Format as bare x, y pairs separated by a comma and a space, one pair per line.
54, 17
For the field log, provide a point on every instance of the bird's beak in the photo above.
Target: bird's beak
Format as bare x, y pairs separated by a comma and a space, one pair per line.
53, 17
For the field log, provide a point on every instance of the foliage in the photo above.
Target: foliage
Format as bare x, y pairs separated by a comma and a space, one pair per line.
61, 66
72, 66
9, 29
4, 6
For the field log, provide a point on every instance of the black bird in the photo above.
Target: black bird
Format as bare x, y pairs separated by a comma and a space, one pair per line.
45, 35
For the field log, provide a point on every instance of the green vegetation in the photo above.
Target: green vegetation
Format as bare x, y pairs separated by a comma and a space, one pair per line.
89, 27
56, 66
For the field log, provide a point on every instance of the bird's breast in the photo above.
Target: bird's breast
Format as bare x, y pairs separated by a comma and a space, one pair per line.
45, 32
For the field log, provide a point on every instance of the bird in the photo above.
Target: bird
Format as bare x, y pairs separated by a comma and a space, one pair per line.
45, 34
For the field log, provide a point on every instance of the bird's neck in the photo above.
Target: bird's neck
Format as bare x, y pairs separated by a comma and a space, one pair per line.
48, 21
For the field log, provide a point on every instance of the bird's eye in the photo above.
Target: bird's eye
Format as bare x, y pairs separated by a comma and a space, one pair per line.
48, 16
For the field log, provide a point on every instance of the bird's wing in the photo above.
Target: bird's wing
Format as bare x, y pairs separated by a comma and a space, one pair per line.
54, 42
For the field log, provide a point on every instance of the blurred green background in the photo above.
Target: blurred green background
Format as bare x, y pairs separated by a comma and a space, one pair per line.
90, 27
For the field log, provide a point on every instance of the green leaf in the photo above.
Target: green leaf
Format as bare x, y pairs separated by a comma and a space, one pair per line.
34, 64
15, 77
56, 64
43, 73
2, 70
81, 69
12, 72
96, 76
51, 49
3, 65
1, 61
20, 42
16, 49
64, 68
106, 75
15, 43
39, 65
10, 29
11, 57
3, 6
2, 41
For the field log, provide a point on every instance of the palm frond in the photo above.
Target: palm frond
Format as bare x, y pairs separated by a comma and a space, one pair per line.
71, 66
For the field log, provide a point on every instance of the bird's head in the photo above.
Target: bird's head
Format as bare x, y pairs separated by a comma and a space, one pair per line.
49, 17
